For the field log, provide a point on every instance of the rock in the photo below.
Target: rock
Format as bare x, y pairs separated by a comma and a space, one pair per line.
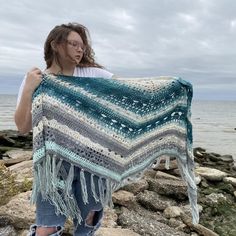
188, 211
23, 233
215, 197
174, 188
230, 180
109, 219
194, 234
217, 157
15, 139
18, 153
174, 223
153, 201
19, 211
8, 185
8, 231
136, 187
115, 232
123, 198
199, 152
173, 212
200, 229
162, 166
210, 173
146, 225
6, 141
163, 175
22, 165
16, 156
227, 158
23, 174
149, 174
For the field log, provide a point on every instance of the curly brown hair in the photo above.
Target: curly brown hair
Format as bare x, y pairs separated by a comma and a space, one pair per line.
59, 35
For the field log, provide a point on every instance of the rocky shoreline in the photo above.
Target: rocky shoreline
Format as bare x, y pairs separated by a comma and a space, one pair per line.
155, 205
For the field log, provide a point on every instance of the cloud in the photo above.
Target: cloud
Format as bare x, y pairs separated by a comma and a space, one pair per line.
191, 39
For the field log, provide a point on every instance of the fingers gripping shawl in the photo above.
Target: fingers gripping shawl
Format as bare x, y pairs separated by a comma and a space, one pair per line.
113, 129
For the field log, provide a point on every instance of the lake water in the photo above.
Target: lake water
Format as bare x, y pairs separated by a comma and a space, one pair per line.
214, 123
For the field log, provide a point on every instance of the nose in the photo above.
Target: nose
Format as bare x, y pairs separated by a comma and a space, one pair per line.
80, 48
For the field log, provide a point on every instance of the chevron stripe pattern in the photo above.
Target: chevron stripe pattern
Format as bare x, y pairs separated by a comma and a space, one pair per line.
112, 128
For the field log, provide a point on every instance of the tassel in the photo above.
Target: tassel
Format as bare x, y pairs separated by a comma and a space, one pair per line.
83, 187
48, 174
167, 163
101, 190
93, 189
69, 181
108, 193
35, 190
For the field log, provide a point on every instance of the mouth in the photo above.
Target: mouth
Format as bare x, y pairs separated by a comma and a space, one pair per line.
78, 58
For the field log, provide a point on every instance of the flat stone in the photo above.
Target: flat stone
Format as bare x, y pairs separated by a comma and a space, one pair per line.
146, 225
211, 173
19, 211
162, 166
115, 232
149, 174
173, 212
173, 188
200, 229
163, 175
215, 197
153, 201
136, 187
230, 180
109, 219
18, 153
23, 174
227, 158
123, 198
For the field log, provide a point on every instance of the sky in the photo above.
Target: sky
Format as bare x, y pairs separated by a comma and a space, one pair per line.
191, 39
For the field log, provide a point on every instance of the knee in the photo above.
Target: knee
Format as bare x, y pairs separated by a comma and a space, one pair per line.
94, 217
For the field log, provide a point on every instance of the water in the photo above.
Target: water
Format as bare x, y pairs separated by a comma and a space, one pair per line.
7, 109
214, 126
214, 123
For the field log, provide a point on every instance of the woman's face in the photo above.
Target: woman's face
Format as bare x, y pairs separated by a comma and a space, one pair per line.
72, 50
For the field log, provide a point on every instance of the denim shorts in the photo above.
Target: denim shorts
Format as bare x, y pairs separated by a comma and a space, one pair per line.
46, 216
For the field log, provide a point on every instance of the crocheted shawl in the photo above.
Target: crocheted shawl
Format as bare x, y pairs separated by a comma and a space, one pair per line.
112, 128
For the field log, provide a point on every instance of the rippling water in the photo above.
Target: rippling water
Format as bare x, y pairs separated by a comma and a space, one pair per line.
214, 123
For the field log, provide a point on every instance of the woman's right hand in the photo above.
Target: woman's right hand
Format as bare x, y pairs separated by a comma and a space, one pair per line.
23, 116
33, 79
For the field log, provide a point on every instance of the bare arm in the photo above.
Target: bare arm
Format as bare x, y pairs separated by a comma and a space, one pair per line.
23, 116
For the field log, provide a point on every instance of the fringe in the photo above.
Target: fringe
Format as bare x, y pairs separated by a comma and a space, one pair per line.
188, 176
57, 191
95, 196
83, 187
167, 163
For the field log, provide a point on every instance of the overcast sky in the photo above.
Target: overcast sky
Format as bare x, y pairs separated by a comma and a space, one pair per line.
192, 39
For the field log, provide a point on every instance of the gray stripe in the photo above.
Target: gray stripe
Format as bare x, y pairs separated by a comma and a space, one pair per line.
95, 157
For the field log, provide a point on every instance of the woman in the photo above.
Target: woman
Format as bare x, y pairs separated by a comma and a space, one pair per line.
67, 51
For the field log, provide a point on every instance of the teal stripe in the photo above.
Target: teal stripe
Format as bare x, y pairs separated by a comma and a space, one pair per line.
40, 153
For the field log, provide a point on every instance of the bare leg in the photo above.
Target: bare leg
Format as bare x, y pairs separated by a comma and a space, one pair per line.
89, 219
45, 231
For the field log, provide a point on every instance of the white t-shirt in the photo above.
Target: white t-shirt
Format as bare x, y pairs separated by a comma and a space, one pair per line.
80, 72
